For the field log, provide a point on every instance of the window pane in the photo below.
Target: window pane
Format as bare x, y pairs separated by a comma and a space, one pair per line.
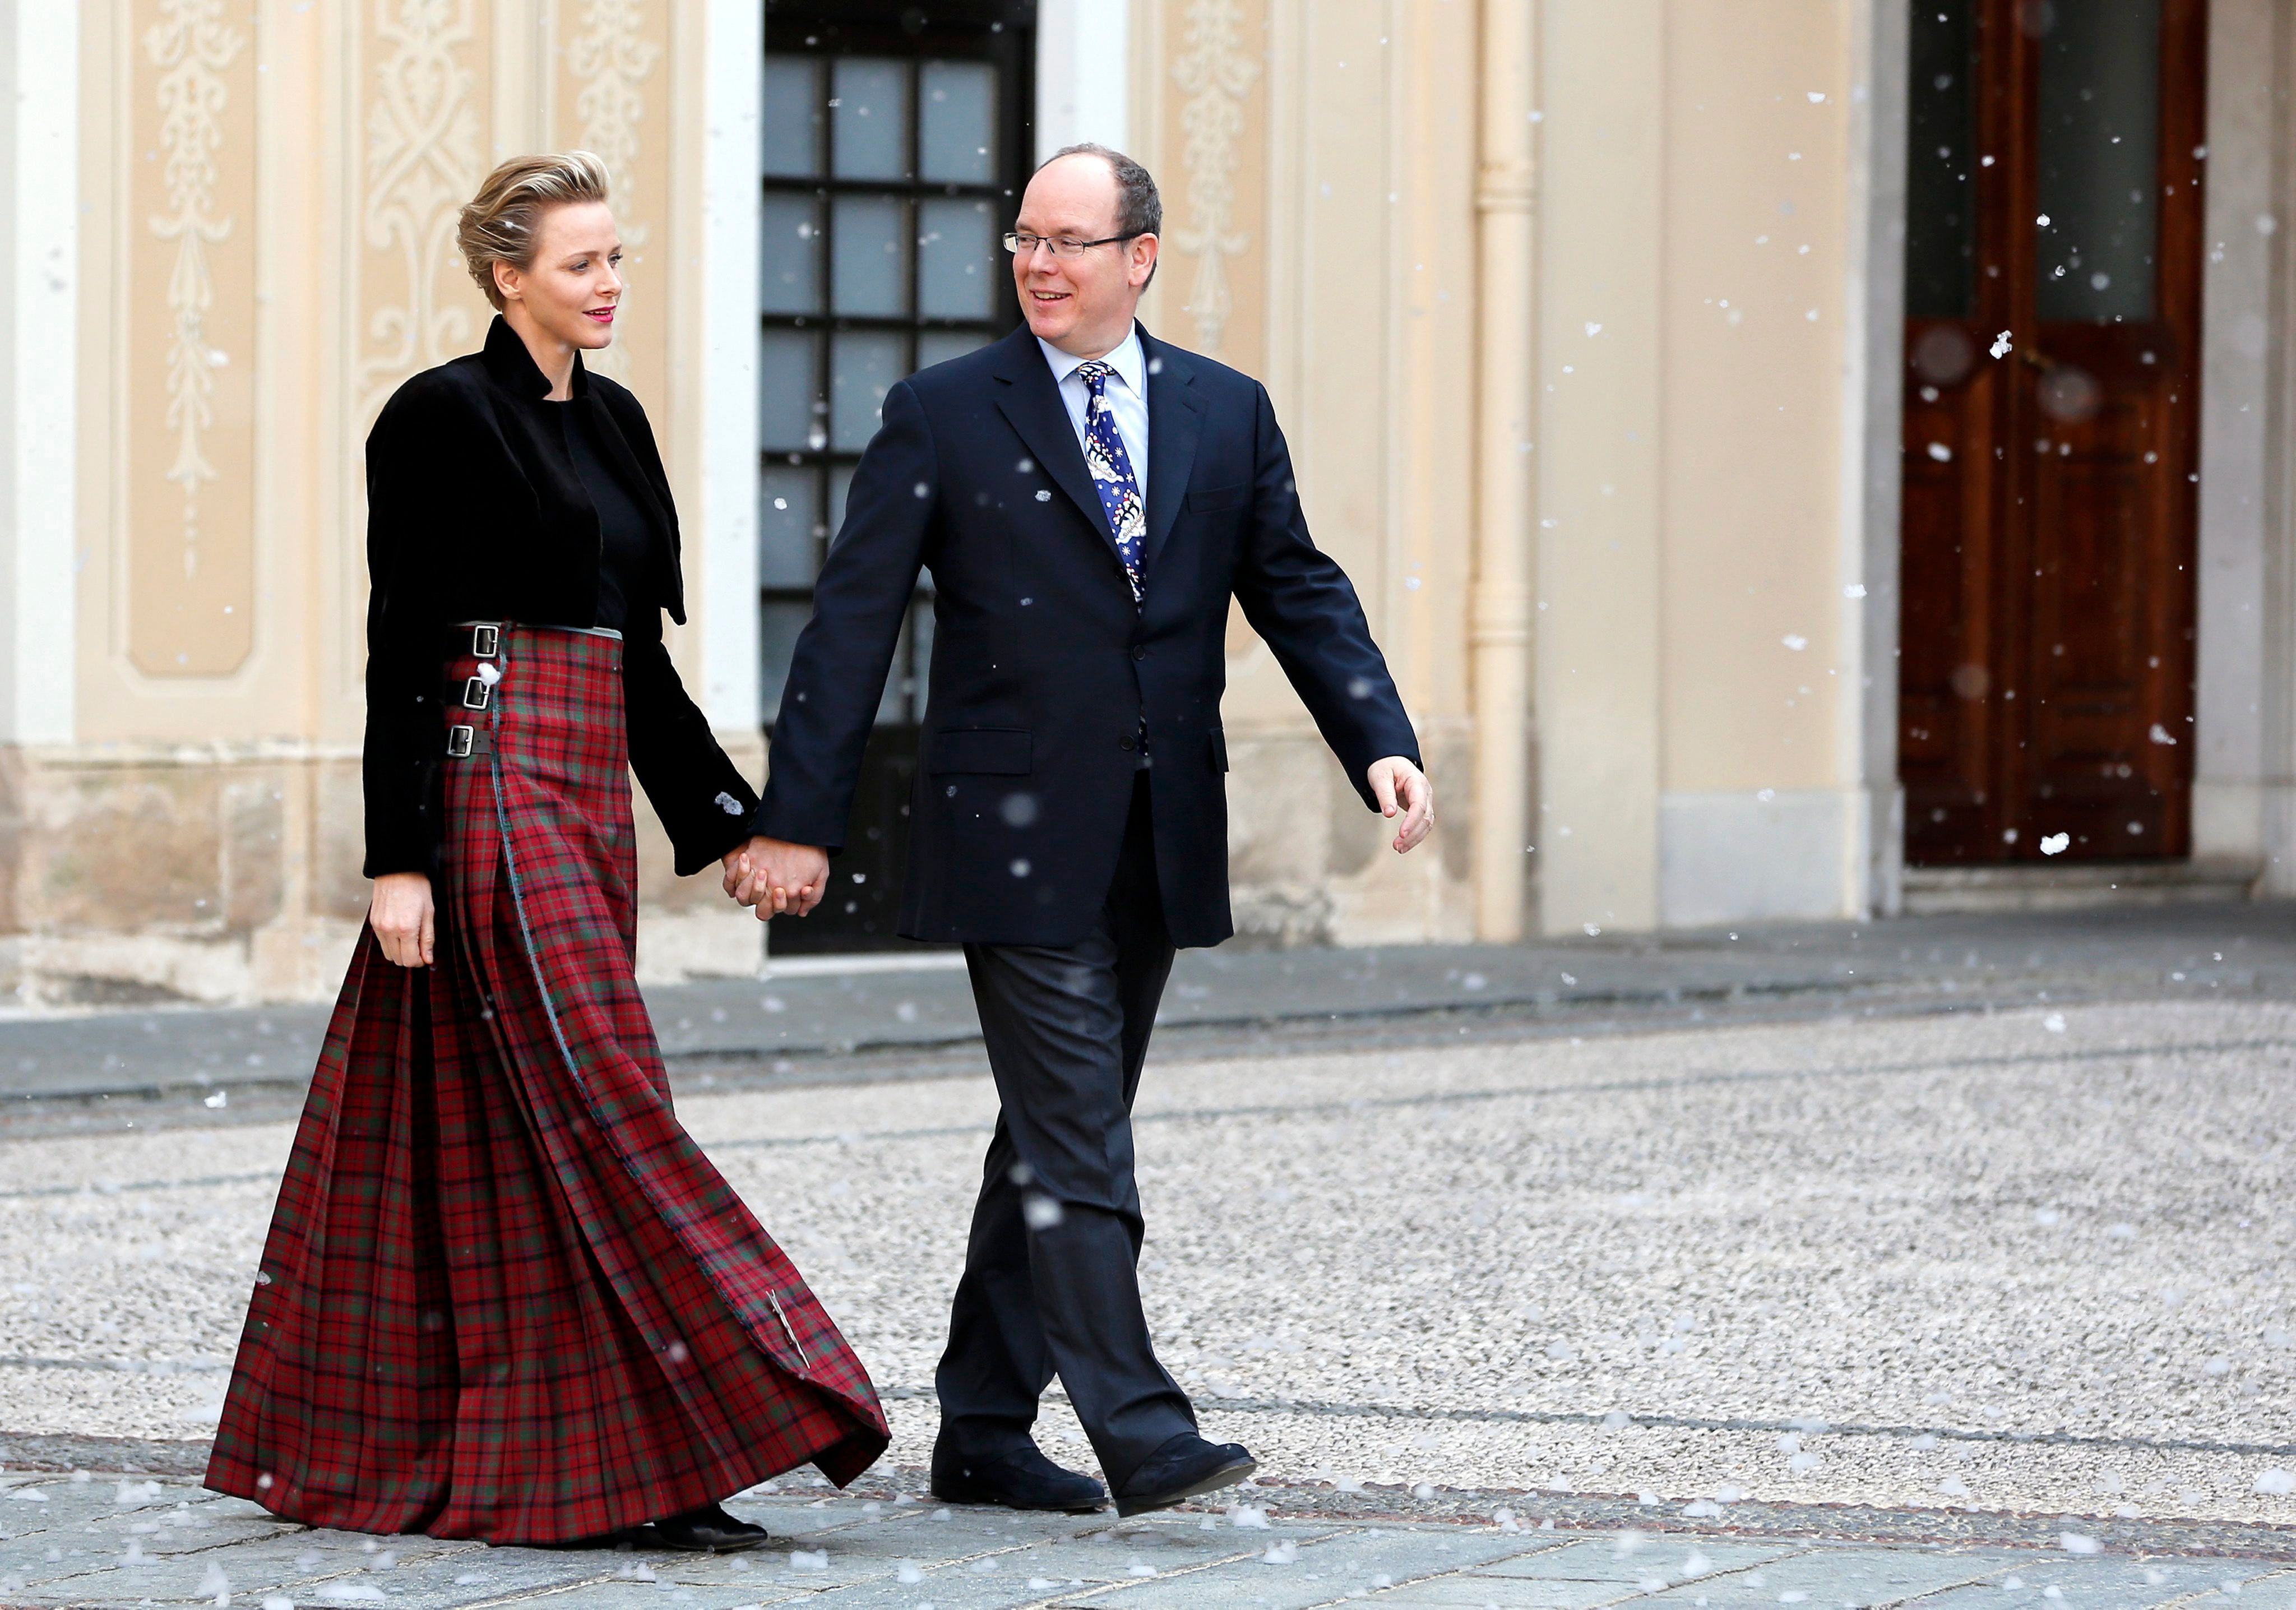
862, 368
871, 132
939, 346
789, 278
787, 517
1940, 165
2100, 136
778, 625
957, 112
785, 391
870, 248
792, 118
956, 256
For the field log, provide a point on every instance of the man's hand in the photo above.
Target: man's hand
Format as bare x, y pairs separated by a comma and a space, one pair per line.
402, 917
777, 878
1399, 786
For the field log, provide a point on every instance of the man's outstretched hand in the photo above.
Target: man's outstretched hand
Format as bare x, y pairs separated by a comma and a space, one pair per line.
1401, 787
776, 878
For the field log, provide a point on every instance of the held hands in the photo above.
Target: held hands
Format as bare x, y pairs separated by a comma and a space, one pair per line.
1399, 785
776, 878
402, 917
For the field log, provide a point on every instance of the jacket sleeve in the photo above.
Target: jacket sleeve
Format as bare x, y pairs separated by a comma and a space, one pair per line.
1305, 609
703, 801
406, 648
838, 673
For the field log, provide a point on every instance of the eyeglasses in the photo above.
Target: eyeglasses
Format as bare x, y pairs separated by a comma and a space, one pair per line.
1025, 245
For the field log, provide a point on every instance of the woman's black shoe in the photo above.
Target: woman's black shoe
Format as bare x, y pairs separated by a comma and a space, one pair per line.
708, 1529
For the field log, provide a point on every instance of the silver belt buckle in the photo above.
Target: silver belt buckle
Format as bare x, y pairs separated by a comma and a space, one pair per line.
486, 642
477, 692
458, 742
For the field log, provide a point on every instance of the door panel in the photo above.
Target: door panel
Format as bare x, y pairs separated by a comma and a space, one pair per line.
2049, 514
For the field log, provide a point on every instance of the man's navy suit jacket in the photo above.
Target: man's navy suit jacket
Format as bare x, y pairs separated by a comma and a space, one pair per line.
1043, 670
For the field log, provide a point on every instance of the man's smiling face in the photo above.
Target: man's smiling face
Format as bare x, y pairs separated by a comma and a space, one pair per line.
1082, 305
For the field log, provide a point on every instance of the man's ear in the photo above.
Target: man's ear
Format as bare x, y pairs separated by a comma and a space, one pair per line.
1145, 248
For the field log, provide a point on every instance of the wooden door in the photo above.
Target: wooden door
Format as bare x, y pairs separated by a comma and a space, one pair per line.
2052, 265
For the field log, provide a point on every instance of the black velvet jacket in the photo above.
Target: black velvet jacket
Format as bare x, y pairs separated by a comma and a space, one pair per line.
475, 513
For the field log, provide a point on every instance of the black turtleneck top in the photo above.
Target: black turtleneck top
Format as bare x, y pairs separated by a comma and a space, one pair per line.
486, 501
625, 541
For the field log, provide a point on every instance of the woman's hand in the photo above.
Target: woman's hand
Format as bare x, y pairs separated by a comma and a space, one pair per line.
776, 878
402, 918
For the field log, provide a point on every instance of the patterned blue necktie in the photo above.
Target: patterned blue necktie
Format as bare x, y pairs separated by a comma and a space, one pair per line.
1112, 472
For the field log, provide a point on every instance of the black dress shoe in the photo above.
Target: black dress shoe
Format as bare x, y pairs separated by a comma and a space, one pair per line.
1022, 1479
1182, 1469
708, 1529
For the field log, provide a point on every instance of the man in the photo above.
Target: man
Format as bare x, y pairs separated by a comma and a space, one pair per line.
1088, 499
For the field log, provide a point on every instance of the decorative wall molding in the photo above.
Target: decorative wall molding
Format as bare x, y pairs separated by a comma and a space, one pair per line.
424, 158
183, 301
1217, 74
610, 59
191, 45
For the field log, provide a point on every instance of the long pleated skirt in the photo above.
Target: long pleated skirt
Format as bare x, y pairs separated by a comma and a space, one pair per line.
505, 1296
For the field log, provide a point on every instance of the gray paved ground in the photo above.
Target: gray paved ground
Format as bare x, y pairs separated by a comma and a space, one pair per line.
805, 1027
123, 1541
1969, 1284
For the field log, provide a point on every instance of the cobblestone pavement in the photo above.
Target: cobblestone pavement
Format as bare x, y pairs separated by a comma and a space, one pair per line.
1954, 1270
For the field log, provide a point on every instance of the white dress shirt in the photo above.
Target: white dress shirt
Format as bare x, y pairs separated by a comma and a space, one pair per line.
1127, 396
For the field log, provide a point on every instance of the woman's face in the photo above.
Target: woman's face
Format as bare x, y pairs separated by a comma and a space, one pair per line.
575, 284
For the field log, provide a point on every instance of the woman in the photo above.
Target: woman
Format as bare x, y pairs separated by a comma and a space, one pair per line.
505, 1296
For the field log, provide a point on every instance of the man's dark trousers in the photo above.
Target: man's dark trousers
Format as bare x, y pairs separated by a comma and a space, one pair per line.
1051, 1282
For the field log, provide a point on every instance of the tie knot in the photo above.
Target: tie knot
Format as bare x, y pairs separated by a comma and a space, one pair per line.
1096, 374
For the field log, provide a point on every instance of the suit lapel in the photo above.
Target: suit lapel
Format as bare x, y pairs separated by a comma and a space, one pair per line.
1176, 419
1029, 398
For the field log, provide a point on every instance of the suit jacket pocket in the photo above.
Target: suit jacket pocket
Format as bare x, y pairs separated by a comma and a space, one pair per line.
1205, 500
995, 751
1219, 750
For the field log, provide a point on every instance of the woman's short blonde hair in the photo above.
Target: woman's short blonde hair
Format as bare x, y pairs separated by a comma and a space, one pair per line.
503, 221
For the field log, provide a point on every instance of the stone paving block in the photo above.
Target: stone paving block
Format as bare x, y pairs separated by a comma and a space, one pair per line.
1827, 1578
2097, 1582
627, 1595
1313, 1572
446, 1575
64, 1503
1001, 1589
2276, 1591
181, 1528
1668, 1559
1502, 1593
787, 1519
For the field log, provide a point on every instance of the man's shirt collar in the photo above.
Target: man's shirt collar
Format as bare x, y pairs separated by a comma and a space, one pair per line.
1129, 361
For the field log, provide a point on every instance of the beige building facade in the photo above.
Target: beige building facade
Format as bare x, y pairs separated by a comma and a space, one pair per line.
1586, 319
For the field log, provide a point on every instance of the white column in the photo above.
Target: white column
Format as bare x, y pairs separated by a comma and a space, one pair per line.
2244, 732
726, 527
1873, 422
39, 224
1083, 74
1506, 402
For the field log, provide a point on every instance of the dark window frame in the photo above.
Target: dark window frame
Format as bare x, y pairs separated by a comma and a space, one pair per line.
999, 32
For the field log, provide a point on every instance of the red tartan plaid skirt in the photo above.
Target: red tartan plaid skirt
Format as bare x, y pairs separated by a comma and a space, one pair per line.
504, 1295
